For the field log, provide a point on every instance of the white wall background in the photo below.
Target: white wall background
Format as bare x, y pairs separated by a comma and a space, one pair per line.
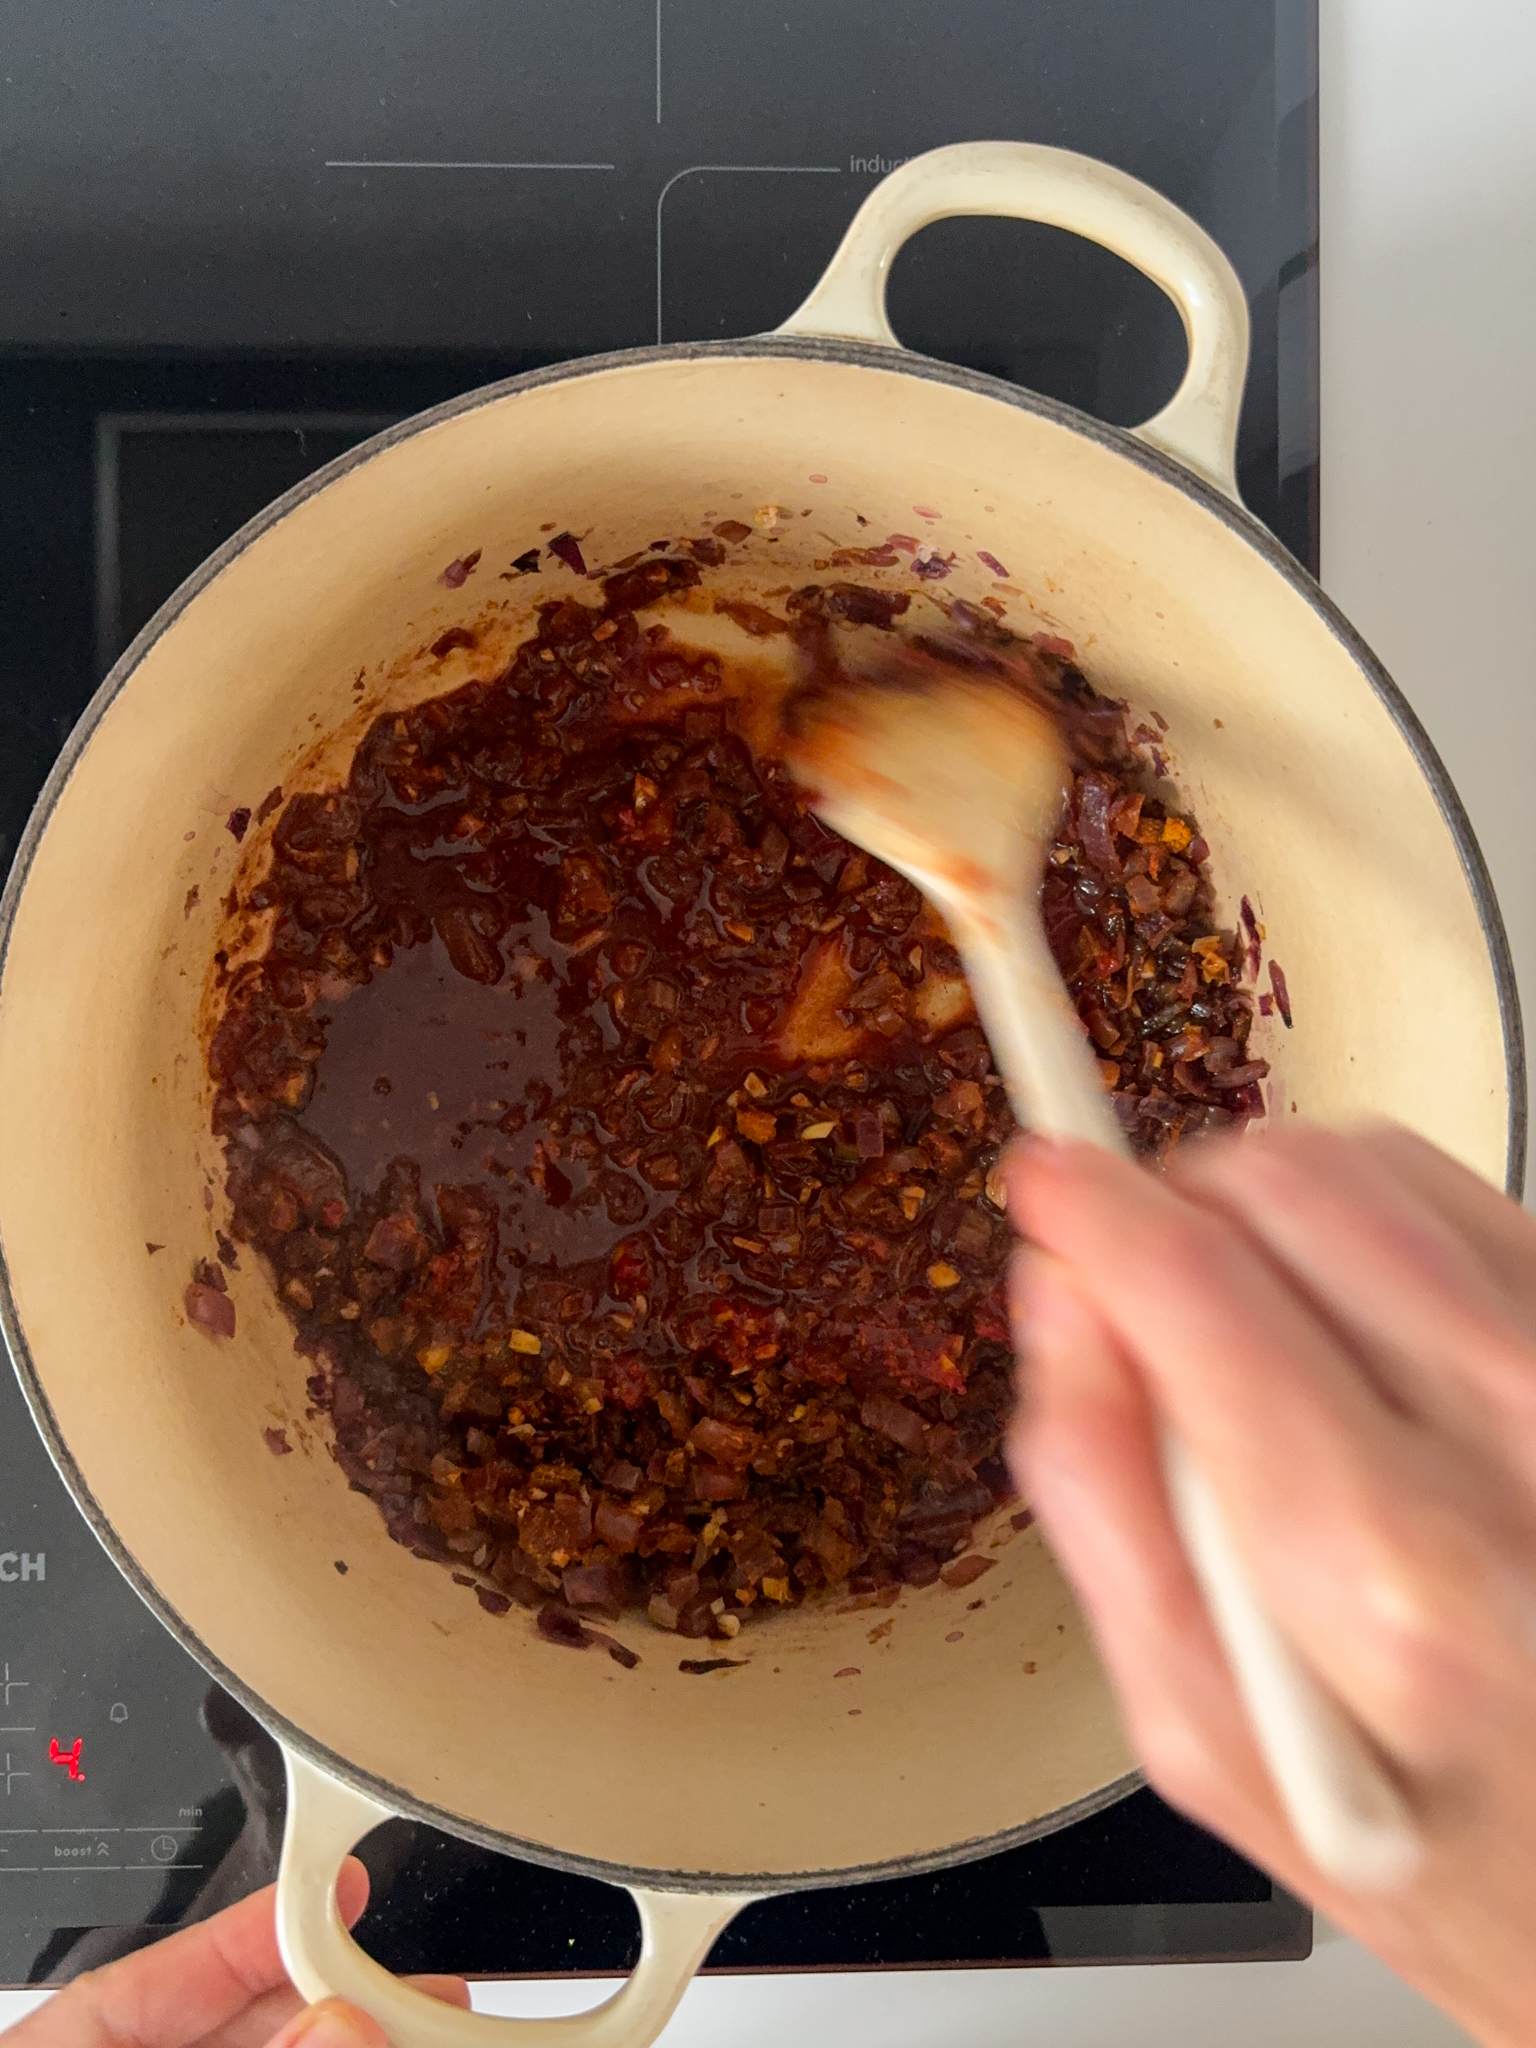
1429, 388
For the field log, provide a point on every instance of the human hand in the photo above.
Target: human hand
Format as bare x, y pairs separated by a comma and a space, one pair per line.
1343, 1331
220, 1984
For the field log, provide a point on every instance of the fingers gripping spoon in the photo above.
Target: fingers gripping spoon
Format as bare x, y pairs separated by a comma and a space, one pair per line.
957, 781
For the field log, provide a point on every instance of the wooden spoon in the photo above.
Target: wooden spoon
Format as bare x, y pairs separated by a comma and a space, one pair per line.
957, 779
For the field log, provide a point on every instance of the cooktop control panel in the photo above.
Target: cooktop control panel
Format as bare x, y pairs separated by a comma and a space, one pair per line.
110, 1783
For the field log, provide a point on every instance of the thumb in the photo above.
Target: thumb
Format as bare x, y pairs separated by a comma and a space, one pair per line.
330, 2024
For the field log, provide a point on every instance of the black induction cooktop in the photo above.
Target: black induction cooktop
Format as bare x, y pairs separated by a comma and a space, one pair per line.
238, 241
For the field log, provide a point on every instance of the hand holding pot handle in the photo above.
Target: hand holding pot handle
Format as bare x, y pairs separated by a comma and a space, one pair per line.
327, 1819
1028, 181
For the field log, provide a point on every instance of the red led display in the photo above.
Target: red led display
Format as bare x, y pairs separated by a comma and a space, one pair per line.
67, 1759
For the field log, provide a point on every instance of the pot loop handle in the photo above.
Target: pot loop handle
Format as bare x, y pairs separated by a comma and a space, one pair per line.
326, 1820
1028, 181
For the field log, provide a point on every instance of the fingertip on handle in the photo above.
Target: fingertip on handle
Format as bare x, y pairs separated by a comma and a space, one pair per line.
326, 1819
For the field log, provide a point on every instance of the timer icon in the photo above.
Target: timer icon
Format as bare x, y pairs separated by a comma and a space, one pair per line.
163, 1848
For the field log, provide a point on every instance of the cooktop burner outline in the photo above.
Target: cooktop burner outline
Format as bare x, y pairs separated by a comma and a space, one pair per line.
749, 170
401, 163
112, 427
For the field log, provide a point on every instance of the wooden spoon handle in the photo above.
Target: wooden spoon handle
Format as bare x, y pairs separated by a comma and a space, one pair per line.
1344, 1805
1347, 1811
1053, 1081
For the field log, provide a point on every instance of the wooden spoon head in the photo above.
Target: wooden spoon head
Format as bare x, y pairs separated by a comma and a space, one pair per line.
954, 774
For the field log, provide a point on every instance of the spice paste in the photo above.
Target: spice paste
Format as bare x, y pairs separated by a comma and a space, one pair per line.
621, 1141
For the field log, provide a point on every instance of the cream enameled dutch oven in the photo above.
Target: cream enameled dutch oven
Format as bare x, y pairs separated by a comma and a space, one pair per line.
390, 1689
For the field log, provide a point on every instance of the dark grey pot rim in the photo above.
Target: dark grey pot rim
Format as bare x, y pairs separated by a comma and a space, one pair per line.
860, 355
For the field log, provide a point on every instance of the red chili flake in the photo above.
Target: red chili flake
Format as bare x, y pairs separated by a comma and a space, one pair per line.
954, 1635
237, 822
458, 573
926, 512
565, 547
733, 530
991, 562
1022, 1519
816, 477
1266, 1006
277, 1442
1282, 993
527, 563
210, 1310
697, 1667
456, 636
708, 551
1052, 643
907, 542
269, 803
934, 1356
153, 1248
848, 1671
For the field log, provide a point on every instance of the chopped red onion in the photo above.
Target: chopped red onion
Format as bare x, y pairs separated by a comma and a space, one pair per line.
565, 547
1282, 993
458, 573
210, 1309
559, 1625
619, 1652
869, 1134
